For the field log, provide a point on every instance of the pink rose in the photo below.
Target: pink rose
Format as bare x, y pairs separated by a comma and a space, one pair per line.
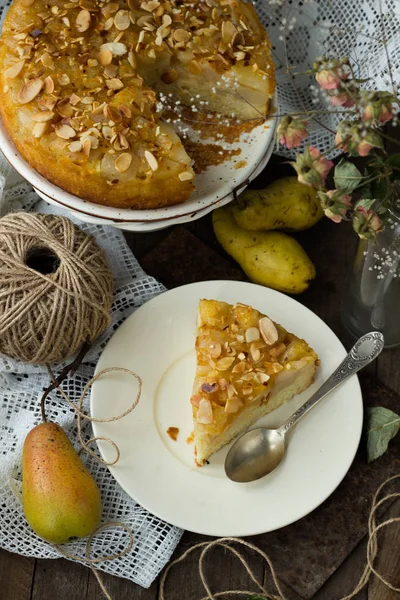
335, 204
292, 131
367, 223
321, 164
328, 79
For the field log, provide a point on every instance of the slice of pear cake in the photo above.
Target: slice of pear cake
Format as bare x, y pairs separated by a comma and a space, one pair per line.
247, 366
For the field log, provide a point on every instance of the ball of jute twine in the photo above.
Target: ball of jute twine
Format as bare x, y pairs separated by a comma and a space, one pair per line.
56, 288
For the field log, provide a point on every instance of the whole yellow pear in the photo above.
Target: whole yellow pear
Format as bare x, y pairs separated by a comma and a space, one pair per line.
59, 496
284, 204
270, 258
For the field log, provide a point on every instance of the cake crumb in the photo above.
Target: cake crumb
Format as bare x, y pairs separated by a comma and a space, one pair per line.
190, 439
207, 155
173, 433
241, 164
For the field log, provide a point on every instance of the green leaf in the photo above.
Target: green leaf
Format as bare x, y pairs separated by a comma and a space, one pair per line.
347, 177
366, 202
383, 425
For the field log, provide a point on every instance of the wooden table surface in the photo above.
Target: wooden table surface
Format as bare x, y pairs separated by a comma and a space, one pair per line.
331, 247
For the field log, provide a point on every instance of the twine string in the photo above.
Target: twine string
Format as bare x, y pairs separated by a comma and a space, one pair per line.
91, 562
82, 416
372, 551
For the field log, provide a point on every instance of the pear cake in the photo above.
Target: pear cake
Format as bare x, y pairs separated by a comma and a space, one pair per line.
84, 85
247, 366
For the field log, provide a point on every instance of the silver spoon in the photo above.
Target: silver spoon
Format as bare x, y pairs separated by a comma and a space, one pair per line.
259, 451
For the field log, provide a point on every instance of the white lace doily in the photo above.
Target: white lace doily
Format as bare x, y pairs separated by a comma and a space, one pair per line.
20, 391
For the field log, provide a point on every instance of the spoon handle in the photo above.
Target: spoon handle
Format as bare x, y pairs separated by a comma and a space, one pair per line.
364, 351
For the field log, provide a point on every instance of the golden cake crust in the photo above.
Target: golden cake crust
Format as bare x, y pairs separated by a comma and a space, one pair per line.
77, 81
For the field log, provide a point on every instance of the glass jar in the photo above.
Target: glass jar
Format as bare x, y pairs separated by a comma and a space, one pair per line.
372, 298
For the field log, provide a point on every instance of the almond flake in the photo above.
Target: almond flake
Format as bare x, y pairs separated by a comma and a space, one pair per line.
49, 85
14, 70
228, 31
123, 162
114, 84
215, 349
63, 79
108, 24
105, 57
121, 20
47, 61
64, 108
125, 111
82, 22
43, 116
186, 176
233, 405
30, 90
150, 6
252, 334
116, 48
65, 132
92, 62
205, 413
263, 377
75, 146
74, 99
224, 363
39, 129
181, 35
111, 71
151, 159
268, 331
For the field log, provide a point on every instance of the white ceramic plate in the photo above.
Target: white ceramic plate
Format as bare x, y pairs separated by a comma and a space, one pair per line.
157, 342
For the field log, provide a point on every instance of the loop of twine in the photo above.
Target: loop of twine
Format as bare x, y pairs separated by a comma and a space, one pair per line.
47, 313
90, 562
77, 408
226, 543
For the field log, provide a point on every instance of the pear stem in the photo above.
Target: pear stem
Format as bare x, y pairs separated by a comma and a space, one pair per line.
67, 370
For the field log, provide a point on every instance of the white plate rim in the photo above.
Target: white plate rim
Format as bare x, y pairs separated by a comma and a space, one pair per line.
258, 529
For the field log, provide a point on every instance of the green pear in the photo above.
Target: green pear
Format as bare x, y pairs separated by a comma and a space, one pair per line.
59, 496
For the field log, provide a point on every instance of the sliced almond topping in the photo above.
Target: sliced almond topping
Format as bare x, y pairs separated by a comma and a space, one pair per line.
205, 413
268, 331
247, 390
125, 111
43, 116
186, 176
111, 71
132, 59
92, 62
74, 99
14, 70
223, 384
39, 129
122, 20
241, 356
114, 84
224, 363
215, 349
239, 367
277, 350
116, 48
47, 61
150, 6
75, 146
255, 352
65, 131
63, 79
123, 162
30, 90
228, 31
181, 35
233, 405
64, 108
105, 57
151, 159
263, 377
252, 334
83, 21
49, 85
108, 24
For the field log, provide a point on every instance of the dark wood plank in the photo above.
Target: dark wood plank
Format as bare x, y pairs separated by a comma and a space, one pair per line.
16, 576
119, 589
60, 579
